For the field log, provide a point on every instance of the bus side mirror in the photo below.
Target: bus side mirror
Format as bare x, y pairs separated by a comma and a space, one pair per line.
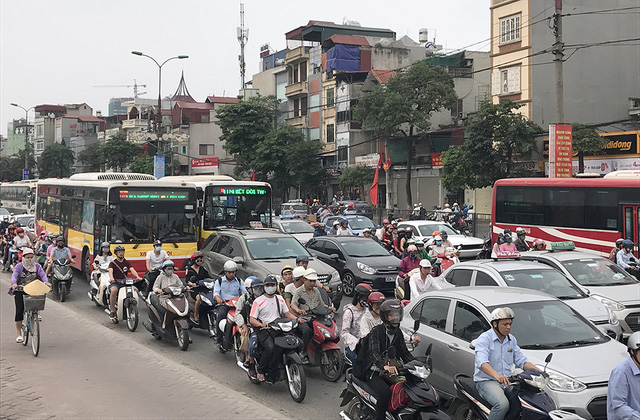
108, 219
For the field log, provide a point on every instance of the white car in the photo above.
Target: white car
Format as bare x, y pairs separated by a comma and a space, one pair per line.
470, 246
299, 229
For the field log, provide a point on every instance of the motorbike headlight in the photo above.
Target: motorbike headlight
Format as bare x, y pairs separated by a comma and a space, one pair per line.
609, 303
421, 372
563, 383
365, 268
326, 332
335, 276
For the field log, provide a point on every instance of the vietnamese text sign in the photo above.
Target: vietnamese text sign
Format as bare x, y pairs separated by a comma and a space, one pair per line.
436, 160
205, 162
560, 150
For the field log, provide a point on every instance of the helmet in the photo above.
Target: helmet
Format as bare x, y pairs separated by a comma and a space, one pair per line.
438, 207
230, 266
437, 238
167, 263
375, 297
520, 231
310, 274
298, 272
435, 233
411, 241
538, 241
619, 241
195, 255
270, 279
385, 222
255, 281
118, 248
157, 242
286, 268
351, 205
391, 313
501, 237
446, 206
502, 313
27, 251
336, 222
444, 235
420, 244
408, 229
362, 291
105, 245
60, 238
425, 263
634, 341
389, 226
19, 230
412, 248
627, 243
470, 206
344, 222
300, 258
456, 205
247, 282
507, 231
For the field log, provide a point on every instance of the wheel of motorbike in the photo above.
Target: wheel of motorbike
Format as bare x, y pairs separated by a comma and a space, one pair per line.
298, 383
463, 412
35, 334
132, 316
332, 370
183, 338
357, 410
63, 291
254, 381
348, 283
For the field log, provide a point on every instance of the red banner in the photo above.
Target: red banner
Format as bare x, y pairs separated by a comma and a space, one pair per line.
202, 163
560, 150
387, 164
436, 160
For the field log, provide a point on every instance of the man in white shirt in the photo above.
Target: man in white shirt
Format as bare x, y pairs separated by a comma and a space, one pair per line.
422, 281
155, 258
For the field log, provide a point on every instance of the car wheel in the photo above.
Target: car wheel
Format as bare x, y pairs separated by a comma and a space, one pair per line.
348, 283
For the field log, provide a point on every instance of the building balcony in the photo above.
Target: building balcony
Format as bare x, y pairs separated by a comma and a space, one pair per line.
135, 123
298, 122
328, 113
296, 54
294, 89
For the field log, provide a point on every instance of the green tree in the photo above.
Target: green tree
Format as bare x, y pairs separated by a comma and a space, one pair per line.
356, 176
56, 161
245, 126
496, 137
11, 168
142, 164
586, 142
119, 152
92, 158
403, 107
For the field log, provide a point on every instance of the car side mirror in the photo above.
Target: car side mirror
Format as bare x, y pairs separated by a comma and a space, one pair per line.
238, 260
472, 344
334, 257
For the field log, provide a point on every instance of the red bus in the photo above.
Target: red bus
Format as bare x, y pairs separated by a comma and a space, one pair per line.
590, 212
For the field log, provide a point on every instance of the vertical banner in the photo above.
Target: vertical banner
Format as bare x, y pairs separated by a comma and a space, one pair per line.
560, 150
26, 173
158, 166
436, 160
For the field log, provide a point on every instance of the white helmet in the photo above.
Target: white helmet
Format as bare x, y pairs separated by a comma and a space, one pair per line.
520, 231
247, 282
634, 341
502, 313
230, 266
425, 263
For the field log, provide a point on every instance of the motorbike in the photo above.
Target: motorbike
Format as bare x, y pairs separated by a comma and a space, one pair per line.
289, 367
485, 252
176, 325
16, 256
399, 290
228, 322
146, 285
207, 308
527, 398
99, 293
448, 258
323, 349
412, 397
126, 302
61, 277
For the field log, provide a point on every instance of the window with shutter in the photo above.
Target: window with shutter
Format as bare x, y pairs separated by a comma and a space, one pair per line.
495, 83
510, 29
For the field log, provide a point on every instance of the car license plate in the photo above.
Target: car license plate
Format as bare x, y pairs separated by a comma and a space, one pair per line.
390, 279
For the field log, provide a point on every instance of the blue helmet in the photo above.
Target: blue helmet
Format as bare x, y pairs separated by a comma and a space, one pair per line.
627, 243
167, 263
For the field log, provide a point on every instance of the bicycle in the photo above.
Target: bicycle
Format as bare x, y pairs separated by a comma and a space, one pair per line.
31, 321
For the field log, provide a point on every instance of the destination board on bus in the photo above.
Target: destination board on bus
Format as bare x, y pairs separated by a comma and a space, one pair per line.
146, 195
243, 191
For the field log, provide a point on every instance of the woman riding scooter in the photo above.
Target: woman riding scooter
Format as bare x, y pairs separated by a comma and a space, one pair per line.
165, 279
352, 314
200, 273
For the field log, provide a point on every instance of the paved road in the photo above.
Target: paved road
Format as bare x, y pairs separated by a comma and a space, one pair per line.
83, 354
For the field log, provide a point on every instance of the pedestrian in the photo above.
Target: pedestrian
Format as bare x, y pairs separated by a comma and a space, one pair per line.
623, 391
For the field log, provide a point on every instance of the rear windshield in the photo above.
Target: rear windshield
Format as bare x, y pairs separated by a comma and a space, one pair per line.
296, 207
597, 272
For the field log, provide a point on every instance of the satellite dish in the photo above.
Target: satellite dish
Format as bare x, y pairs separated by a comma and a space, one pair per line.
165, 136
52, 115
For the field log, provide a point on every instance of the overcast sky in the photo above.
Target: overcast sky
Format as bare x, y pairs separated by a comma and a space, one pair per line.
54, 52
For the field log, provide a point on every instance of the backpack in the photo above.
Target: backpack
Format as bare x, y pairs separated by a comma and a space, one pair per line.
360, 364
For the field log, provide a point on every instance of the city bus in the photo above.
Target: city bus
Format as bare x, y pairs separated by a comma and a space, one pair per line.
122, 208
225, 202
592, 213
18, 197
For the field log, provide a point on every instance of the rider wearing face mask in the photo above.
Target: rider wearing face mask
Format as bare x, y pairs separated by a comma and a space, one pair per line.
438, 247
508, 244
104, 257
154, 261
165, 279
60, 252
445, 239
408, 263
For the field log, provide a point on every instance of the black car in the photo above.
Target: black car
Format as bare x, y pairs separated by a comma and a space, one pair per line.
358, 260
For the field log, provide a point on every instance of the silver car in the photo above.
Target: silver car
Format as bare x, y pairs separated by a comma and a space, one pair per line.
604, 280
470, 246
299, 229
535, 276
583, 357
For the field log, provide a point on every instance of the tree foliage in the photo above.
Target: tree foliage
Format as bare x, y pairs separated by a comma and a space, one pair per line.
586, 142
119, 152
11, 168
142, 164
496, 137
92, 158
403, 107
356, 176
55, 161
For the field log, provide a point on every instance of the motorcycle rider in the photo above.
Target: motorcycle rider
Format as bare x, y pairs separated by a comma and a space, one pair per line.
118, 270
381, 231
351, 209
266, 308
496, 246
508, 244
539, 245
627, 261
381, 338
520, 242
351, 316
437, 248
320, 230
344, 228
104, 256
41, 251
287, 278
302, 261
297, 281
614, 252
334, 229
623, 393
422, 281
371, 318
496, 350
423, 253
398, 243
445, 239
166, 278
228, 286
154, 260
53, 238
200, 273
21, 240
21, 272
60, 252
255, 289
408, 263
387, 237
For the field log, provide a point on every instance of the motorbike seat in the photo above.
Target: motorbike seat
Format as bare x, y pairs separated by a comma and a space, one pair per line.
466, 383
156, 304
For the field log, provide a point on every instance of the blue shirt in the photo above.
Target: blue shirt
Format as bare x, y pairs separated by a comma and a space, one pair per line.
623, 259
500, 355
228, 289
623, 394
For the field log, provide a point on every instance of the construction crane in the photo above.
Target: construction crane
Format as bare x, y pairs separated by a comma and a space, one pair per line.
135, 87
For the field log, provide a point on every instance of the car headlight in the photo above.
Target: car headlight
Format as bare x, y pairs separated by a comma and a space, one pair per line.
335, 276
537, 381
613, 319
563, 383
365, 268
609, 303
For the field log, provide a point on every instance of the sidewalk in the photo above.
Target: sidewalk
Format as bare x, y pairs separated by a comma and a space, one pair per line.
85, 370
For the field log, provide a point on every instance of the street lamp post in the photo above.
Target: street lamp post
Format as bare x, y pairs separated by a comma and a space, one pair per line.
26, 133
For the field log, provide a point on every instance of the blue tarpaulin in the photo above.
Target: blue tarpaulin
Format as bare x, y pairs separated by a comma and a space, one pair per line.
343, 58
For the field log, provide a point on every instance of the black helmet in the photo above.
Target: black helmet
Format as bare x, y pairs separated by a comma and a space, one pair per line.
302, 258
444, 235
391, 313
118, 248
270, 279
157, 242
362, 291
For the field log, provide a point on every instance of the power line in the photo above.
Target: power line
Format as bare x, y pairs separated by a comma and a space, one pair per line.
603, 11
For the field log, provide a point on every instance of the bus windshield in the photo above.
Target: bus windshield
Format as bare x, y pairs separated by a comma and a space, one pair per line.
237, 207
147, 222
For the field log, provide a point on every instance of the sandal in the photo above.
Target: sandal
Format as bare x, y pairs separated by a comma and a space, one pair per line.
260, 377
19, 339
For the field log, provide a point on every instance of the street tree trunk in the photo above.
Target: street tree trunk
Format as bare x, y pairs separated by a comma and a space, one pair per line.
580, 162
410, 144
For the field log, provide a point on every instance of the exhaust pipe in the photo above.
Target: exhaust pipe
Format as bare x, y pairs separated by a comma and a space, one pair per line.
241, 366
148, 327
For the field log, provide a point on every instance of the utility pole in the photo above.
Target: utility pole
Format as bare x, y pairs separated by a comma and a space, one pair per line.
243, 36
559, 53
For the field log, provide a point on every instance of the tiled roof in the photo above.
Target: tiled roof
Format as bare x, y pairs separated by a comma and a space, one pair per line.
349, 39
383, 76
46, 107
222, 100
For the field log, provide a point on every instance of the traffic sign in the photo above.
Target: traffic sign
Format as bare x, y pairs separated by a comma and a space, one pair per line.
26, 173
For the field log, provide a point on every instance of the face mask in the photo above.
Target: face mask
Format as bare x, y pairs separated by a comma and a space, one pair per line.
509, 240
270, 290
158, 248
21, 235
412, 255
60, 246
438, 242
105, 250
168, 271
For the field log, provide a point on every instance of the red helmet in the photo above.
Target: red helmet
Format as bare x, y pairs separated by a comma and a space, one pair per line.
375, 297
19, 230
385, 222
351, 205
363, 290
196, 255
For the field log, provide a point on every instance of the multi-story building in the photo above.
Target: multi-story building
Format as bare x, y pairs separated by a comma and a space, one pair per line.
117, 107
18, 131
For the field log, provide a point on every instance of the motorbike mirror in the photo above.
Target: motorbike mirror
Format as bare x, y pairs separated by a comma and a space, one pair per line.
428, 352
548, 358
73, 257
391, 352
301, 301
416, 325
472, 345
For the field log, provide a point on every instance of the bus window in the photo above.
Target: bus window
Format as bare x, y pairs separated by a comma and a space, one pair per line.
520, 206
564, 207
65, 212
76, 214
601, 210
88, 213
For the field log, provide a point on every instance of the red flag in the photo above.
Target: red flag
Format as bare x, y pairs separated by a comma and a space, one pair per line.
373, 191
253, 175
387, 165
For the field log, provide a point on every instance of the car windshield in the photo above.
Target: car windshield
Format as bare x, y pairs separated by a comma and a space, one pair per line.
276, 247
544, 280
359, 223
296, 227
427, 230
597, 272
364, 248
4, 212
551, 324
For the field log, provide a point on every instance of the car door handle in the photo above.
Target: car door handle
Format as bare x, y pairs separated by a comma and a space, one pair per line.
453, 346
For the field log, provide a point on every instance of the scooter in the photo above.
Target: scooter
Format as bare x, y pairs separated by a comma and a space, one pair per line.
61, 277
323, 349
399, 290
448, 258
207, 310
176, 325
99, 293
485, 252
126, 303
412, 397
16, 256
527, 399
228, 322
289, 367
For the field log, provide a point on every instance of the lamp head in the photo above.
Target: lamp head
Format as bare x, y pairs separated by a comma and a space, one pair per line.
136, 52
180, 57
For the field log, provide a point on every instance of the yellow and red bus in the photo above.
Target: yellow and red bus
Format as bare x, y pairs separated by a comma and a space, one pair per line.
225, 202
121, 208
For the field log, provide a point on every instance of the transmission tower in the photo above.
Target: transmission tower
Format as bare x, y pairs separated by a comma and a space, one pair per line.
243, 36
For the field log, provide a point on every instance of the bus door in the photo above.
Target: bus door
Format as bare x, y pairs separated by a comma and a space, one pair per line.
630, 222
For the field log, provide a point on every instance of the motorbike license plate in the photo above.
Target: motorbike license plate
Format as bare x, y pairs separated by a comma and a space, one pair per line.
390, 279
128, 282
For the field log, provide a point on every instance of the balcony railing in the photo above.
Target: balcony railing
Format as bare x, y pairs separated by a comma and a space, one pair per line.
296, 89
297, 53
135, 123
298, 122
